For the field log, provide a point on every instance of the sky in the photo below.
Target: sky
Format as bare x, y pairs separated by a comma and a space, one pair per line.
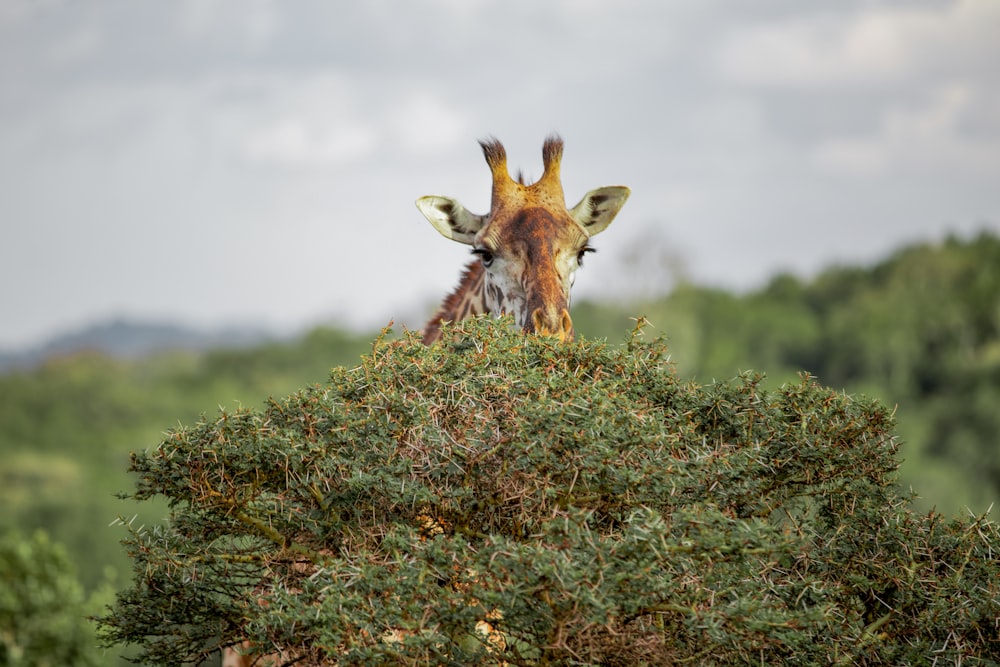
255, 162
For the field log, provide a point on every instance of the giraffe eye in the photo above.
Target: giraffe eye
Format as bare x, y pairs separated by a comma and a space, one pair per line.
583, 251
484, 255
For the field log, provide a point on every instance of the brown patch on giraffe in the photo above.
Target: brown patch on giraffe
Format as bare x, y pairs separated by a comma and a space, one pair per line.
534, 239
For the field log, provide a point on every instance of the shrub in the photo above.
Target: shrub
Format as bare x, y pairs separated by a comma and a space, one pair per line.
579, 498
43, 607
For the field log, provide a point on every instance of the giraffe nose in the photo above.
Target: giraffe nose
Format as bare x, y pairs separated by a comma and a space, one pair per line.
561, 327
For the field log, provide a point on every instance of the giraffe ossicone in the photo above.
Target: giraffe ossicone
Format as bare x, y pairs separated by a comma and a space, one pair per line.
528, 246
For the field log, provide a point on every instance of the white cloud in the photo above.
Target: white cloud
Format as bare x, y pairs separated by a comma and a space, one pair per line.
78, 46
812, 52
254, 22
927, 136
18, 11
424, 122
299, 140
853, 156
462, 7
865, 48
311, 119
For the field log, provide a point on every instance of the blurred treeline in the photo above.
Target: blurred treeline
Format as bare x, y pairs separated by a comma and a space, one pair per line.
920, 330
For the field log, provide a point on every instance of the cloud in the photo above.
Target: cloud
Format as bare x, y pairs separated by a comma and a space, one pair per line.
300, 140
424, 122
312, 119
254, 22
933, 134
321, 121
18, 11
867, 48
79, 46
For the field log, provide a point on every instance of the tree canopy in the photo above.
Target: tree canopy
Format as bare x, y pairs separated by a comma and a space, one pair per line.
581, 499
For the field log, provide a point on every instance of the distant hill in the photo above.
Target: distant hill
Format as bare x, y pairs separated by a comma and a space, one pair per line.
127, 339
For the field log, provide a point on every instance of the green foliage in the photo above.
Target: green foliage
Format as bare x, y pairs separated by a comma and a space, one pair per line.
921, 330
66, 430
581, 499
43, 606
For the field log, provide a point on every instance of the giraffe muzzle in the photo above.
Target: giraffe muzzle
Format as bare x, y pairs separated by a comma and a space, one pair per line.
560, 327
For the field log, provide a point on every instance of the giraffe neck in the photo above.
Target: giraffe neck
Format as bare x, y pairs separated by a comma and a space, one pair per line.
467, 300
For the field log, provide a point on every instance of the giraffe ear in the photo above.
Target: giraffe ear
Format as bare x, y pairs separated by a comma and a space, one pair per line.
599, 207
451, 218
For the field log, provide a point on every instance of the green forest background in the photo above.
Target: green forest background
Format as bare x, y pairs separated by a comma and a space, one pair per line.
920, 331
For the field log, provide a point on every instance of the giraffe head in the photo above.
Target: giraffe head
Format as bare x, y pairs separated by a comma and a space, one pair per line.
529, 244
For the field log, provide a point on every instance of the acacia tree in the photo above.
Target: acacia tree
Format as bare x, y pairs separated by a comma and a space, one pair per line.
580, 499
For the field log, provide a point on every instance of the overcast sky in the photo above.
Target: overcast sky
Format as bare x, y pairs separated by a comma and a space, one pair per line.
250, 161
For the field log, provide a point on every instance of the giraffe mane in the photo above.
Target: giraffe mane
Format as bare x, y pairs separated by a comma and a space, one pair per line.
449, 310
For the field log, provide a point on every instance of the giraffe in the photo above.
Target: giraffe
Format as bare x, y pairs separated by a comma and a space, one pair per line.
528, 246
